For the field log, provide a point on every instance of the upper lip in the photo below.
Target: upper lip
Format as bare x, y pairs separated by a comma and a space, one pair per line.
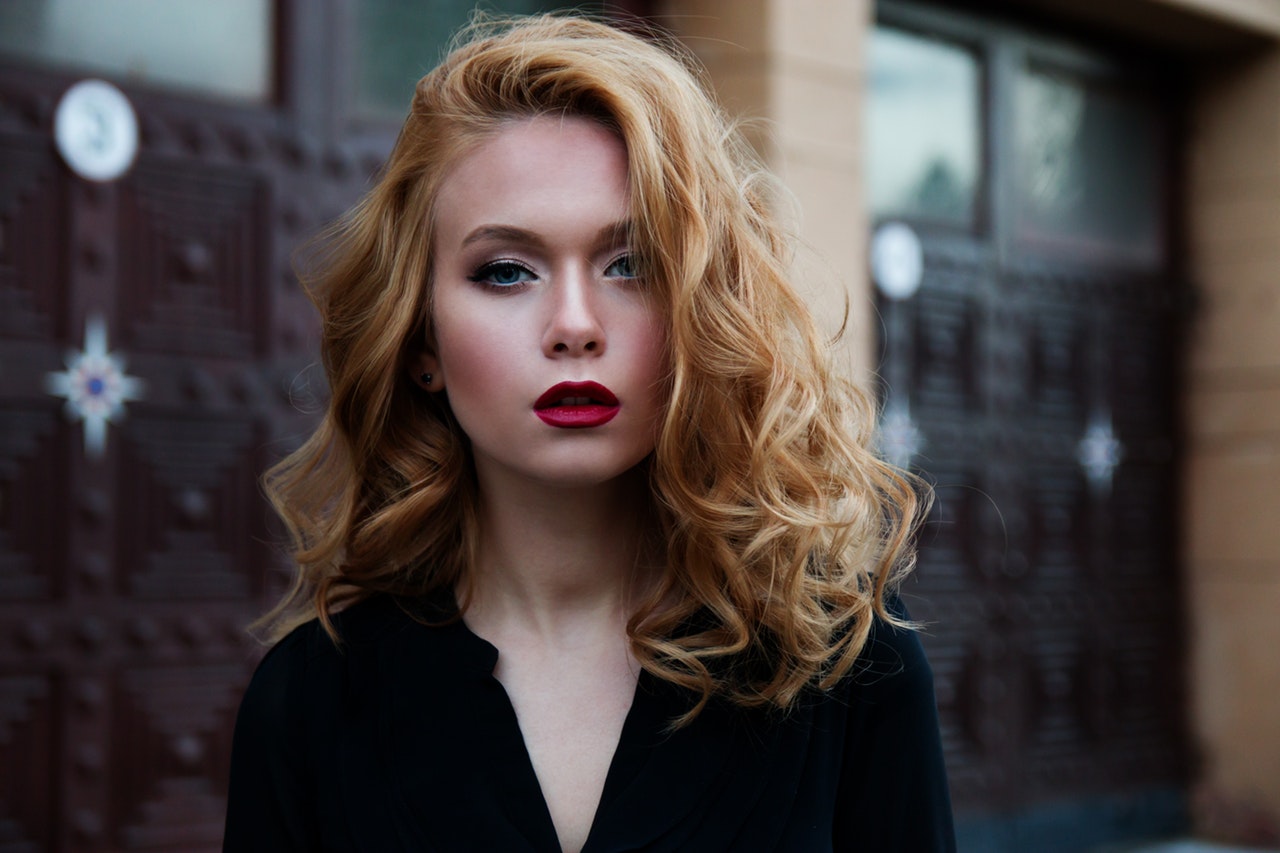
592, 391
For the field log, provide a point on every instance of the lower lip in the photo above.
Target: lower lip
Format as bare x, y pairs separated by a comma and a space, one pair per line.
577, 417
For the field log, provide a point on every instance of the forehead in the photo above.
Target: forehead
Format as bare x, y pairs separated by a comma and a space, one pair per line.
536, 171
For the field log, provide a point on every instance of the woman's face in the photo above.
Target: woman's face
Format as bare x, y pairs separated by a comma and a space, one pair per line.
549, 347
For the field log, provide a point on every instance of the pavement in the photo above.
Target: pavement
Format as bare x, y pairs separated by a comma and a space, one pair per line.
1188, 846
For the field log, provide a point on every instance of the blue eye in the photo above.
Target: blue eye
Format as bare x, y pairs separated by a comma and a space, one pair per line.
622, 267
502, 274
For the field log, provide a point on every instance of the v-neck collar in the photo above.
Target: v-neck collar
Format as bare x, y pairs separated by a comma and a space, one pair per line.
457, 714
477, 658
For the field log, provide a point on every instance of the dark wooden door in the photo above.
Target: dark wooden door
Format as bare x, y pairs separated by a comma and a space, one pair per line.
131, 565
1032, 379
132, 558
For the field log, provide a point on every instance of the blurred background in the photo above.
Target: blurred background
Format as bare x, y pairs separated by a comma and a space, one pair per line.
1056, 224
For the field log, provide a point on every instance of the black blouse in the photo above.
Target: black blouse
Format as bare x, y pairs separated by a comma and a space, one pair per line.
402, 739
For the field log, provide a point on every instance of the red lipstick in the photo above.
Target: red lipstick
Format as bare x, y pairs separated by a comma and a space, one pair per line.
576, 405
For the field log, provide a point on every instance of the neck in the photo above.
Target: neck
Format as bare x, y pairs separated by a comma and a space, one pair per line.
553, 561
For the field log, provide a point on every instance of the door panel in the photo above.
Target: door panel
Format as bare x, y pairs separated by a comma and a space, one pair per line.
127, 577
130, 570
1037, 364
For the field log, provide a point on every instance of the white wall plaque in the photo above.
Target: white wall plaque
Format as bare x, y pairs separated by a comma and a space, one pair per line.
96, 130
897, 260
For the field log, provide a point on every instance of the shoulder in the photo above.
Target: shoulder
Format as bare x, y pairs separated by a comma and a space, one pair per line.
310, 643
891, 681
892, 658
308, 660
313, 703
892, 761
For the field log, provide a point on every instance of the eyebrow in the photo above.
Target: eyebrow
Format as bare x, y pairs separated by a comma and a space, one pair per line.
610, 233
505, 233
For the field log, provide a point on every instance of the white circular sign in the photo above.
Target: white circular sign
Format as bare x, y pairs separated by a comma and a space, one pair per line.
96, 130
897, 260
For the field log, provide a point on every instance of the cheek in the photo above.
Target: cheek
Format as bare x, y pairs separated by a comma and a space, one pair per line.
653, 337
473, 361
470, 368
652, 354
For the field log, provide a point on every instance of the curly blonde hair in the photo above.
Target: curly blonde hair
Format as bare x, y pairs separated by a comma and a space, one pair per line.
778, 527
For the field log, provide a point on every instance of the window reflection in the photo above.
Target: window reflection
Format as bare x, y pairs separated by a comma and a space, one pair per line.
1088, 170
398, 42
222, 48
923, 141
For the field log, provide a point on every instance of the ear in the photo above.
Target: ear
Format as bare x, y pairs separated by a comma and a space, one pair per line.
424, 364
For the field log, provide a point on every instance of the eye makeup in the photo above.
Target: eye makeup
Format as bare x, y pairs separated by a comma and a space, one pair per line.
502, 275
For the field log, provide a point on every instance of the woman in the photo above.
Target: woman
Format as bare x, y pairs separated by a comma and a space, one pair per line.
592, 552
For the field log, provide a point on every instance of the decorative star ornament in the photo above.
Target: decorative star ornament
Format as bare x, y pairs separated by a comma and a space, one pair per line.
900, 440
95, 386
1099, 452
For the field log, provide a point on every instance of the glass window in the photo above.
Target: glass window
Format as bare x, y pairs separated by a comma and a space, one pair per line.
221, 48
1088, 167
398, 42
924, 143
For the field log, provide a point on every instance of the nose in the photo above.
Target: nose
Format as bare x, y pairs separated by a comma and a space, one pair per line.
574, 327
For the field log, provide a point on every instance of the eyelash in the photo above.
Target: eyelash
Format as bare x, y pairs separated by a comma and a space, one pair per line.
484, 275
630, 261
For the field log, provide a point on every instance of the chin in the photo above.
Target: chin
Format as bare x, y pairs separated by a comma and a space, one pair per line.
588, 473
629, 477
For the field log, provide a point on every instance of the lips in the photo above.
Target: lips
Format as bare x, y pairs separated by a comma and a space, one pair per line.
576, 405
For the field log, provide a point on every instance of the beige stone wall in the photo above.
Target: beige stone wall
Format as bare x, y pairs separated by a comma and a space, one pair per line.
794, 69
1260, 16
1232, 485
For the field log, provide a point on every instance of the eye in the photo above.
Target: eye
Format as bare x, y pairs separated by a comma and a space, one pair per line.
623, 266
502, 274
